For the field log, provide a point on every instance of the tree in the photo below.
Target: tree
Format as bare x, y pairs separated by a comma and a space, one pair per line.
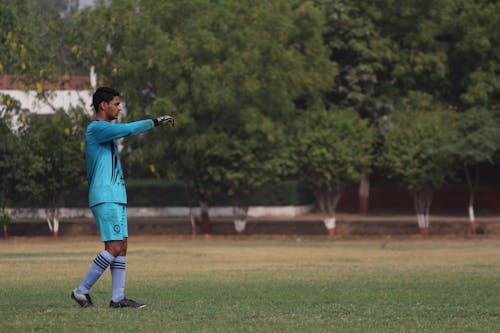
472, 86
467, 29
230, 72
415, 153
13, 156
476, 143
65, 8
365, 58
56, 146
414, 28
32, 42
330, 150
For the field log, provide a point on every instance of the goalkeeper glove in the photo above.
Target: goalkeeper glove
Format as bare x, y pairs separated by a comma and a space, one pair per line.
164, 120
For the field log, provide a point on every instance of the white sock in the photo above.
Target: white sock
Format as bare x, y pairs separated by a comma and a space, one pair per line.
98, 266
118, 272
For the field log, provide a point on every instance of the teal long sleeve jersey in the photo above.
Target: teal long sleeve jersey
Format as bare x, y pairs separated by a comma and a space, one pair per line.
104, 170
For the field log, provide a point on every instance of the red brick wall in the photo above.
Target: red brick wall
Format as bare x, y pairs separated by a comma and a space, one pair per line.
448, 199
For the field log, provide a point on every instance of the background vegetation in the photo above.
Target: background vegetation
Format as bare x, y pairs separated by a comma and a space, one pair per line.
255, 86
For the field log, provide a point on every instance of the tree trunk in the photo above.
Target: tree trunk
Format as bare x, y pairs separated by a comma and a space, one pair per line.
48, 218
192, 218
422, 201
472, 219
5, 219
328, 200
364, 193
240, 214
56, 223
472, 192
205, 219
52, 218
330, 225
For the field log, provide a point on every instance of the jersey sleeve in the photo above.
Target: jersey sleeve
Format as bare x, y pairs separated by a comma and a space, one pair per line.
105, 131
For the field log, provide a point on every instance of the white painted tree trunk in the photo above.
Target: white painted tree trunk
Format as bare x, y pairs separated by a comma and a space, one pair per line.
422, 201
423, 221
56, 224
328, 200
52, 218
48, 218
472, 220
192, 218
329, 222
240, 214
472, 192
240, 226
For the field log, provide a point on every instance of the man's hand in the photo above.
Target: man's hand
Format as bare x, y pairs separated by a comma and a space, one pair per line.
164, 120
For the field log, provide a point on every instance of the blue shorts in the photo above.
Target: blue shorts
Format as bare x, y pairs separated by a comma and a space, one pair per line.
111, 219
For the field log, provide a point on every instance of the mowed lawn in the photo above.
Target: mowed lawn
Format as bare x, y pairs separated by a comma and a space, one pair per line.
257, 285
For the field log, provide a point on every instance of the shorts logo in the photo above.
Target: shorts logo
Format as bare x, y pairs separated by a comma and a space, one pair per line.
116, 228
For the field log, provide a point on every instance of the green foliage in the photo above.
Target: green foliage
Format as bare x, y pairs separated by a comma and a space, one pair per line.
229, 72
364, 56
15, 36
33, 43
56, 156
5, 219
11, 111
14, 159
479, 136
234, 72
468, 29
331, 148
421, 62
415, 152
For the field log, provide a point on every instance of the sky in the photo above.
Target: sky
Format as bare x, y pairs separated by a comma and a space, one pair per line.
86, 3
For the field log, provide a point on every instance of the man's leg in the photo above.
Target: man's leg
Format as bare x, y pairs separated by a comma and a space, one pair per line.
107, 217
118, 299
118, 274
98, 266
118, 270
81, 293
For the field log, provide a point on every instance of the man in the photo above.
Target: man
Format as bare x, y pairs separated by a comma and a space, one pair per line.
107, 194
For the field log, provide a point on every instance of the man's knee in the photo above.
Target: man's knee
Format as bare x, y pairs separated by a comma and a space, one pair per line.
116, 248
123, 252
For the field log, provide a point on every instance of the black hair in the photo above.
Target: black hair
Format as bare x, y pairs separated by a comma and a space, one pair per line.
103, 94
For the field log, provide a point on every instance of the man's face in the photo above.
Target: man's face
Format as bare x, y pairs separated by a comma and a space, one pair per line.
112, 109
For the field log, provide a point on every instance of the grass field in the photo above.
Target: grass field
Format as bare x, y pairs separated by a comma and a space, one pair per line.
257, 285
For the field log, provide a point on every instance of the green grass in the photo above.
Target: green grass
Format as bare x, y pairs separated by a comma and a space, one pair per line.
250, 285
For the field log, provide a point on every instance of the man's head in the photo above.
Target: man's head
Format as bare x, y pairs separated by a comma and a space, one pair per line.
106, 102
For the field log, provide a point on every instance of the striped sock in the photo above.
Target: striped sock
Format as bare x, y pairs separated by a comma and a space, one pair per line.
101, 262
118, 273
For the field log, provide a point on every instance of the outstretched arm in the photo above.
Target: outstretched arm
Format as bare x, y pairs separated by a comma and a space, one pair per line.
105, 131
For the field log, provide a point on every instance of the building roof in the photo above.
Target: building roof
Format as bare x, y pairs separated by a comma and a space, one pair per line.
64, 82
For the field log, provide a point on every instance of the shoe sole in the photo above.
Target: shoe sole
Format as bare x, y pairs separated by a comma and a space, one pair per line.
86, 305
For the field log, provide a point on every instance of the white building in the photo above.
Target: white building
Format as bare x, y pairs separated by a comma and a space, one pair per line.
68, 92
